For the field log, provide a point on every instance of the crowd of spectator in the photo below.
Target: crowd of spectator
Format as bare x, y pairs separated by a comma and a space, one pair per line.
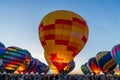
57, 77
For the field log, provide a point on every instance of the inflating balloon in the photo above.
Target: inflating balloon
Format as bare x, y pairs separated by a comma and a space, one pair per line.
14, 59
2, 51
42, 68
94, 66
68, 68
116, 53
62, 34
85, 69
105, 61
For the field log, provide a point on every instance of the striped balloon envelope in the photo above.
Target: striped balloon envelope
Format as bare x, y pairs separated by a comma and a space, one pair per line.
63, 34
105, 61
14, 59
116, 53
33, 65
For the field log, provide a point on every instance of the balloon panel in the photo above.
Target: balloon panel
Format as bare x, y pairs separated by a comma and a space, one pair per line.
61, 33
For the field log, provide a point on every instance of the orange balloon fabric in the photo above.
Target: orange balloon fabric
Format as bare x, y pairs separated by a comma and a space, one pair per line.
63, 34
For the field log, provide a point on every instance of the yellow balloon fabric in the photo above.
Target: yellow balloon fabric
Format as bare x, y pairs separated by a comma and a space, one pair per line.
52, 67
63, 34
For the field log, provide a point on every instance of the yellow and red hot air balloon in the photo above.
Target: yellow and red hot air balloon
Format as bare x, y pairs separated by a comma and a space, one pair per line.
63, 34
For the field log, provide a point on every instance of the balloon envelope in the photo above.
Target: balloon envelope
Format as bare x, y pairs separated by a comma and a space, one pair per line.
105, 61
94, 66
116, 53
63, 34
68, 68
2, 51
13, 58
85, 69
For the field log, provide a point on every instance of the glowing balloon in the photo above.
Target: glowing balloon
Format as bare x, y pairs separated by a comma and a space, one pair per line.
85, 69
116, 53
68, 68
63, 34
52, 67
14, 59
105, 61
94, 66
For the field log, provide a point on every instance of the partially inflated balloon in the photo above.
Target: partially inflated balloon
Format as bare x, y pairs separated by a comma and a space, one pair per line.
42, 68
68, 68
105, 61
33, 65
63, 34
14, 58
94, 66
85, 69
2, 51
116, 53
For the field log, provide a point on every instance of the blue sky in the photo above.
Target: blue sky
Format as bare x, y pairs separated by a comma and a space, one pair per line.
19, 20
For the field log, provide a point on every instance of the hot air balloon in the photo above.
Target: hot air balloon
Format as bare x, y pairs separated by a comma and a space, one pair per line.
42, 68
15, 59
32, 67
85, 69
105, 61
116, 53
62, 34
2, 51
94, 66
68, 68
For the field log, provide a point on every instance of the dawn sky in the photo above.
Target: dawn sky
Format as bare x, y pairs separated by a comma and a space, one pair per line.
19, 21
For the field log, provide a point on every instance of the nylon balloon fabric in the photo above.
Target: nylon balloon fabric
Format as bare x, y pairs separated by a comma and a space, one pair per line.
14, 58
116, 53
105, 61
63, 34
